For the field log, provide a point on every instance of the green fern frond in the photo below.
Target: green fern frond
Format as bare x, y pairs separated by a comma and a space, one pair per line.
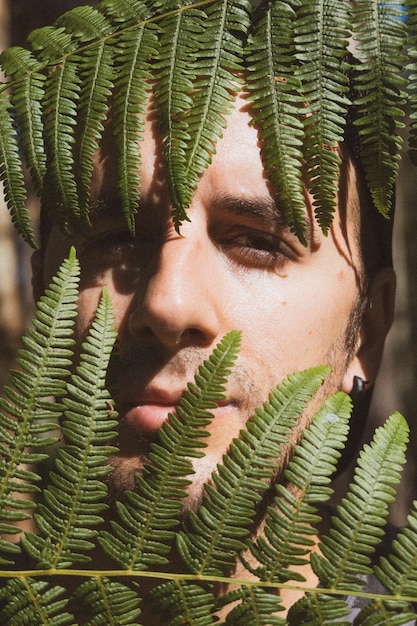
108, 602
255, 607
97, 63
367, 501
96, 71
385, 613
27, 94
180, 603
31, 601
274, 92
218, 62
25, 412
211, 538
68, 518
358, 527
11, 173
398, 573
412, 77
135, 50
322, 30
379, 81
294, 515
176, 74
62, 92
150, 513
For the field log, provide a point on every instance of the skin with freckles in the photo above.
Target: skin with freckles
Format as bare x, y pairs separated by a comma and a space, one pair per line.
235, 265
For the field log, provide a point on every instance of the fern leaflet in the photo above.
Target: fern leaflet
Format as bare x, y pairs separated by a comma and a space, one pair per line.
321, 33
379, 82
108, 602
398, 573
25, 411
175, 79
68, 518
34, 602
152, 511
27, 94
273, 89
135, 50
62, 90
358, 527
95, 67
217, 66
11, 173
295, 513
411, 67
255, 607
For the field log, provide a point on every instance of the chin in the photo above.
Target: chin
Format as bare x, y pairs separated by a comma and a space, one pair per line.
122, 476
124, 469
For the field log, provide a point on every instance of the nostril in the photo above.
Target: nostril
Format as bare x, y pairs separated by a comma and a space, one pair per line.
194, 336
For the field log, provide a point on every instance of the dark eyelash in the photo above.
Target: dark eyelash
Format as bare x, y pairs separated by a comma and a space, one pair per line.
263, 250
266, 257
116, 240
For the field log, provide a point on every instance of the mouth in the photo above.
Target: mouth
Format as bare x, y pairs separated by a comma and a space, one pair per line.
147, 417
148, 414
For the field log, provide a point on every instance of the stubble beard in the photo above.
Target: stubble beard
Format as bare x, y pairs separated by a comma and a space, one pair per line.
135, 451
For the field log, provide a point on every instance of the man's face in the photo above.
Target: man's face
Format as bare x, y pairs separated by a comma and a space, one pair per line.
235, 266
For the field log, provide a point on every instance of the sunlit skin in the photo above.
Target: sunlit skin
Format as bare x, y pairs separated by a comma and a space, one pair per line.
235, 266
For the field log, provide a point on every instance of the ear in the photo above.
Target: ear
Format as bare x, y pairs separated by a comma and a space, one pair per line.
37, 275
376, 321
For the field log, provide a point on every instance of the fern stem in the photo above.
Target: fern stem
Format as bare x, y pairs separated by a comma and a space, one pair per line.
123, 573
36, 603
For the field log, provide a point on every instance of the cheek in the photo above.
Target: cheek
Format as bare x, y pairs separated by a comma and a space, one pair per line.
88, 302
293, 322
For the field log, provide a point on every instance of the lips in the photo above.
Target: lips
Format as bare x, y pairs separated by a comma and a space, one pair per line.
147, 415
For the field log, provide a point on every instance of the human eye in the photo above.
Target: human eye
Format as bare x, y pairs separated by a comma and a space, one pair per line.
256, 248
107, 254
108, 247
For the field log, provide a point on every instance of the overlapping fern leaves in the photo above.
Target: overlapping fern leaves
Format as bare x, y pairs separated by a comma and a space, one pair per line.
28, 409
381, 37
274, 90
148, 526
321, 40
193, 101
158, 500
214, 535
347, 555
190, 58
68, 520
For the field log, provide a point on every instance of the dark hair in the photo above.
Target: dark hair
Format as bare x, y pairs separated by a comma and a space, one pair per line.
374, 229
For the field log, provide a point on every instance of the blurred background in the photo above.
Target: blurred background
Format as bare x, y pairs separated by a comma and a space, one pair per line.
396, 388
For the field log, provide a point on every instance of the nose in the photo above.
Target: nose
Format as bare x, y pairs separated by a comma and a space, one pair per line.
179, 303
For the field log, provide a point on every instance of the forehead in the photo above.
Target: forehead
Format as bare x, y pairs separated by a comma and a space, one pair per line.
238, 150
236, 172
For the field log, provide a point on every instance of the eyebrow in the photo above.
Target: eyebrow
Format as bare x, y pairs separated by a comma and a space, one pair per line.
106, 206
255, 208
260, 207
